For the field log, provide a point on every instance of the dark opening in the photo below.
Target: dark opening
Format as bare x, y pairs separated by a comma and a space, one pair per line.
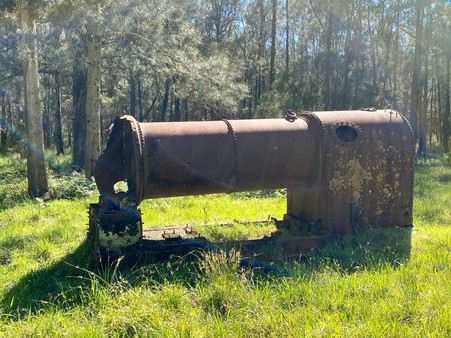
346, 133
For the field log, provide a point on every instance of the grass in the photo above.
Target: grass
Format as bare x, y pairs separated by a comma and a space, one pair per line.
375, 283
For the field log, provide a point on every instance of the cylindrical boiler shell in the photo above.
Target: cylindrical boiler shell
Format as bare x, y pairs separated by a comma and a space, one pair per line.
185, 158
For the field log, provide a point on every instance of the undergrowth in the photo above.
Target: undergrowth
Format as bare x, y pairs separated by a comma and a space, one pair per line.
64, 183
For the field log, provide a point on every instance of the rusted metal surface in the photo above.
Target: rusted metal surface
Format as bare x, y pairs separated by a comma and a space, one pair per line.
188, 158
341, 169
366, 176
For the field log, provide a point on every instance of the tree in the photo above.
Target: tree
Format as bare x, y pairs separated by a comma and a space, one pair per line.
58, 133
208, 59
92, 145
272, 69
415, 93
79, 110
36, 167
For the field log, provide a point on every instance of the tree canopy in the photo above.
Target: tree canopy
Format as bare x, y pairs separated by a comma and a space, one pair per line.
189, 60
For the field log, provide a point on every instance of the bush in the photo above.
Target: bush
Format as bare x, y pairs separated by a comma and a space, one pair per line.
70, 186
64, 183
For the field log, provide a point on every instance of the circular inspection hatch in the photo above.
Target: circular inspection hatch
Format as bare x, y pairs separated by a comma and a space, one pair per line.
346, 133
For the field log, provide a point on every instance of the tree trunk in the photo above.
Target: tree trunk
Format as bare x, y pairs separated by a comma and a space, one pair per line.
132, 83
140, 104
415, 93
272, 60
396, 57
36, 169
447, 112
92, 107
177, 115
185, 109
261, 47
46, 124
164, 103
287, 38
328, 67
58, 128
422, 114
79, 119
3, 124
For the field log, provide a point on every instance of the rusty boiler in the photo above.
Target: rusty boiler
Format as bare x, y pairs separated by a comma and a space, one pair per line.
342, 170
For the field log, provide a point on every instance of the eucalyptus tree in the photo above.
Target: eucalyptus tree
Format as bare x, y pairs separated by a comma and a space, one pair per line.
87, 22
164, 52
442, 55
27, 12
10, 69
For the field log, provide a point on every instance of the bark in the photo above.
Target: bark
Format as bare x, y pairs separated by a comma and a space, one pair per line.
36, 168
79, 119
92, 107
58, 127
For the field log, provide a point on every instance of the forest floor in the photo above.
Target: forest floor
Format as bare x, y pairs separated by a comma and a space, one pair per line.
375, 283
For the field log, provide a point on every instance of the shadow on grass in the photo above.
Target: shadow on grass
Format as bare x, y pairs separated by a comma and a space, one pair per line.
367, 249
64, 283
50, 284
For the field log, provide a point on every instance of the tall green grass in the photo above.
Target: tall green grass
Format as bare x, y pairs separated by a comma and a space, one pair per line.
375, 283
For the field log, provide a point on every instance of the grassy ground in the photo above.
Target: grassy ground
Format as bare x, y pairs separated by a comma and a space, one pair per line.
377, 283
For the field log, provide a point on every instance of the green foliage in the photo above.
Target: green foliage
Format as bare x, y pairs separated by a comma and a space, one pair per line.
63, 183
270, 106
377, 282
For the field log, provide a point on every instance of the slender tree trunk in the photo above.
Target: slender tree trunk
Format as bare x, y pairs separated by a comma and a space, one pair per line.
3, 124
287, 38
177, 115
438, 100
261, 47
272, 60
140, 102
132, 94
79, 119
11, 123
447, 111
185, 109
46, 124
415, 93
422, 114
36, 168
345, 94
164, 103
92, 107
328, 67
58, 129
396, 56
